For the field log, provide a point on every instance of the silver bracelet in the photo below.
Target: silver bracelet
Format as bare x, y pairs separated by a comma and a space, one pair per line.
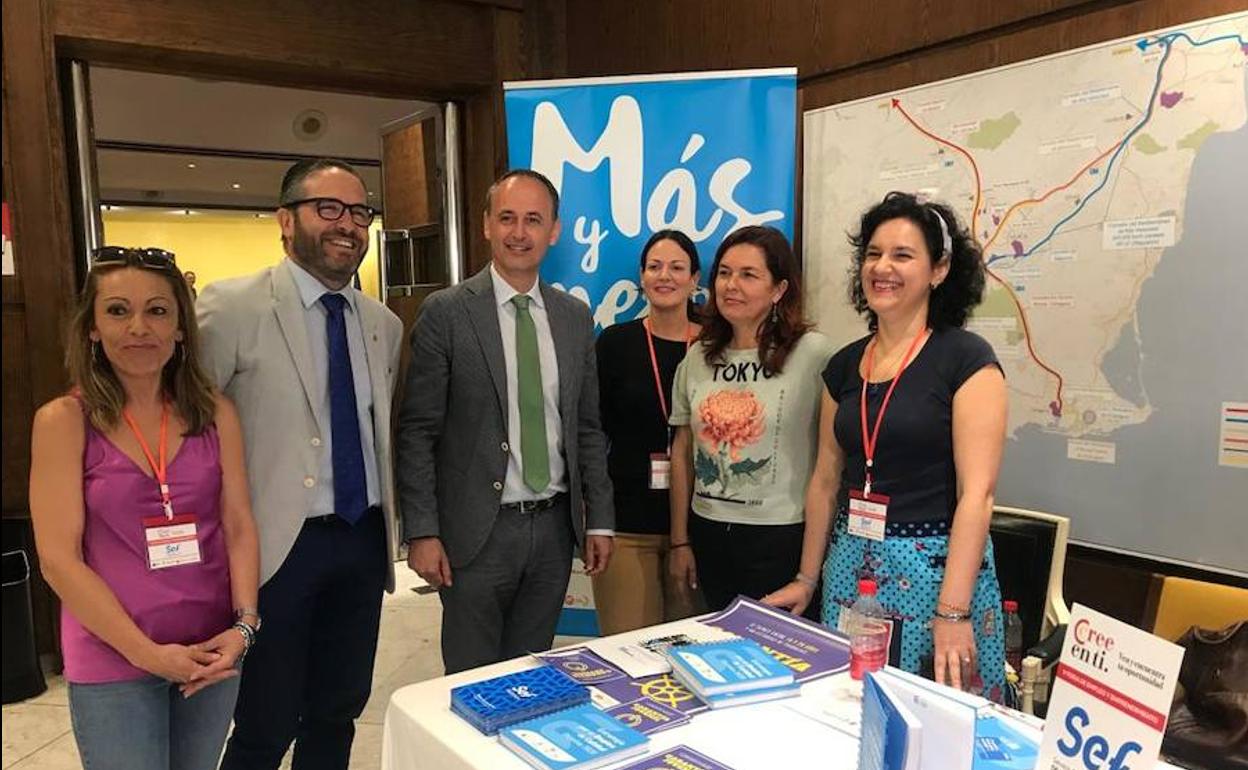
952, 617
249, 635
805, 580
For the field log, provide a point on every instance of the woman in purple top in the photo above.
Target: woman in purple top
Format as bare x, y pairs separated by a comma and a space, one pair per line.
148, 540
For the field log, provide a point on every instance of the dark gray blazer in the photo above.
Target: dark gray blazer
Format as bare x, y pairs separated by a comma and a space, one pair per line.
452, 432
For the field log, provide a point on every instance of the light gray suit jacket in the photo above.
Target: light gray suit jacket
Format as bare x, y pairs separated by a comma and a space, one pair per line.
254, 342
452, 435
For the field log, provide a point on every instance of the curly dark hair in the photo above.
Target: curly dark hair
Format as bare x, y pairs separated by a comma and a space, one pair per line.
778, 337
953, 300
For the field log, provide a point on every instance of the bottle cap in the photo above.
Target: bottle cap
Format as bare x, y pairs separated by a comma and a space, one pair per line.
1010, 605
866, 587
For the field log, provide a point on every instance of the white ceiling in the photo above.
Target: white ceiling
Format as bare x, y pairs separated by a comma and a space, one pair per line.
178, 112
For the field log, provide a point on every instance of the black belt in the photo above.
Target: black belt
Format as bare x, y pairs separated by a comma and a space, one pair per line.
532, 506
333, 518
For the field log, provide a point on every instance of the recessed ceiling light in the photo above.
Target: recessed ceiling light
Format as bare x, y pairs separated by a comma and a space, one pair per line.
235, 185
371, 193
190, 165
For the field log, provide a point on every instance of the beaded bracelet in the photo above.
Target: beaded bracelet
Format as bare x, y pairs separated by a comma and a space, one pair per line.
249, 635
947, 607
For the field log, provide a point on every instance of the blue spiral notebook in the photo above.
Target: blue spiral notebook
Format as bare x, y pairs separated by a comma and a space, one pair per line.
578, 738
492, 704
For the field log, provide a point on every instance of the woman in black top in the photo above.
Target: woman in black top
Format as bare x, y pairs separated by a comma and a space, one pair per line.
909, 489
636, 364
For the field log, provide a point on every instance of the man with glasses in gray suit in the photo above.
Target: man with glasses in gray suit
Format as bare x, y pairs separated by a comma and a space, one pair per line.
502, 462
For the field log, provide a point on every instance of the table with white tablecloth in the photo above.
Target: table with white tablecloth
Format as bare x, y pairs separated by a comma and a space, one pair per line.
422, 733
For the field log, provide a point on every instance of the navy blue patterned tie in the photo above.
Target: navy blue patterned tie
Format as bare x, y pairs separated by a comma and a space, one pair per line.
350, 485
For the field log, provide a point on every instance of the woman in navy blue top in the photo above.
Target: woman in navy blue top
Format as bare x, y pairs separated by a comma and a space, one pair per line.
908, 491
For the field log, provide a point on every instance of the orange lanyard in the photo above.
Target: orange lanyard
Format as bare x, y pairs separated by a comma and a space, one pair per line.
654, 365
159, 470
871, 441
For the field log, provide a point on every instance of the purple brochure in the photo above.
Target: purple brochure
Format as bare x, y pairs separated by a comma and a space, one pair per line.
677, 758
582, 665
646, 715
811, 650
589, 669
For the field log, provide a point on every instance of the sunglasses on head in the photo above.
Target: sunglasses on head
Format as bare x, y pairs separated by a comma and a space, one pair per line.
157, 259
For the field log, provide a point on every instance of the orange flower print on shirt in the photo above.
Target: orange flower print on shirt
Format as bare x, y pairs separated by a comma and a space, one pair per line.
731, 419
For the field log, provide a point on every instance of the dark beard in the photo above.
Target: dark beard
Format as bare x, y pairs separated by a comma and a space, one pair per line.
310, 254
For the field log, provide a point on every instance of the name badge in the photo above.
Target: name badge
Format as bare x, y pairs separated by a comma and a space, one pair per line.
868, 513
660, 470
171, 542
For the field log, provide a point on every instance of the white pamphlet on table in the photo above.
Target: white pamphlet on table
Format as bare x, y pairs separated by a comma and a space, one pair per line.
637, 654
1111, 696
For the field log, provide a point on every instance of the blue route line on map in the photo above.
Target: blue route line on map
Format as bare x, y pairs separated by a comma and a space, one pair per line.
1166, 41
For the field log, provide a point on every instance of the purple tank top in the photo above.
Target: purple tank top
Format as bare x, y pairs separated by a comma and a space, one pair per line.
183, 604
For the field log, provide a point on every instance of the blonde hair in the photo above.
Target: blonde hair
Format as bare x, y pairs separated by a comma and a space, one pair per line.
183, 380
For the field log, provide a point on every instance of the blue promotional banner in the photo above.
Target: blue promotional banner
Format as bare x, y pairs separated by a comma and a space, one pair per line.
704, 153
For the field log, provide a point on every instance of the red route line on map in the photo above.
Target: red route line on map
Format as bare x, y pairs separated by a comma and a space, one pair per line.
1056, 406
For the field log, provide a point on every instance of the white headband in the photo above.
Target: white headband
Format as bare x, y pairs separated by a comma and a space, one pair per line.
945, 241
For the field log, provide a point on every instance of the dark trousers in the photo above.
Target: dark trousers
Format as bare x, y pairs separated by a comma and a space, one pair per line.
749, 559
506, 601
310, 672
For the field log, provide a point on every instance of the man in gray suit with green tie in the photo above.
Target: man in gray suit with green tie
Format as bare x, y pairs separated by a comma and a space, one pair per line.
502, 462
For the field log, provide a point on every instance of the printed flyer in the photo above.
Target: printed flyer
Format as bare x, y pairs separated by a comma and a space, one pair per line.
1111, 696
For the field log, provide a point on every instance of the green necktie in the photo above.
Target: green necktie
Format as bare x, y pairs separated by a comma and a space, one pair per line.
534, 459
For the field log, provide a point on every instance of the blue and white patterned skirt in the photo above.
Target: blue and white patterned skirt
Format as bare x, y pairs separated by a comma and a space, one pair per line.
908, 567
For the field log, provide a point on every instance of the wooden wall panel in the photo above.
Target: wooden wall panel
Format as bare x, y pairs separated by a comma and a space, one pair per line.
18, 406
848, 50
431, 49
35, 178
407, 161
817, 36
1019, 43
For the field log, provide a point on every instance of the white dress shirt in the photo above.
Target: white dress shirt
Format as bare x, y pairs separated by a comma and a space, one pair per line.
315, 314
514, 488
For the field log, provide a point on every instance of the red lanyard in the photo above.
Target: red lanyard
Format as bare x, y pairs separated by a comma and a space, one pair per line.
159, 470
869, 442
654, 364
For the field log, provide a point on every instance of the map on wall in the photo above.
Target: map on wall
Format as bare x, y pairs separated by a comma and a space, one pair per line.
1108, 189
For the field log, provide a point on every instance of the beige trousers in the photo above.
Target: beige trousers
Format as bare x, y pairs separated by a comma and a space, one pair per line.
636, 590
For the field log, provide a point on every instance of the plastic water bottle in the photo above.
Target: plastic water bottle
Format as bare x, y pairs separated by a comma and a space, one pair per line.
1013, 636
868, 632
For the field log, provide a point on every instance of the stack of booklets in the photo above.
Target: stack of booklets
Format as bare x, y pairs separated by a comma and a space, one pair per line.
578, 738
492, 704
732, 672
911, 723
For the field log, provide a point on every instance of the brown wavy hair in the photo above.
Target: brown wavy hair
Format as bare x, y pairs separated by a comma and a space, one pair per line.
778, 337
183, 380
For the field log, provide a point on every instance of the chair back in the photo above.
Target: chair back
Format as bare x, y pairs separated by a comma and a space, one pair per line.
1183, 603
1030, 557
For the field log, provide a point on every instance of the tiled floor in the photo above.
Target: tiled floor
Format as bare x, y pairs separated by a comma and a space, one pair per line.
37, 732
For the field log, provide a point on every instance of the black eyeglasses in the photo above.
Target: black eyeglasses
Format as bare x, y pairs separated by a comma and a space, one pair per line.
156, 259
330, 209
